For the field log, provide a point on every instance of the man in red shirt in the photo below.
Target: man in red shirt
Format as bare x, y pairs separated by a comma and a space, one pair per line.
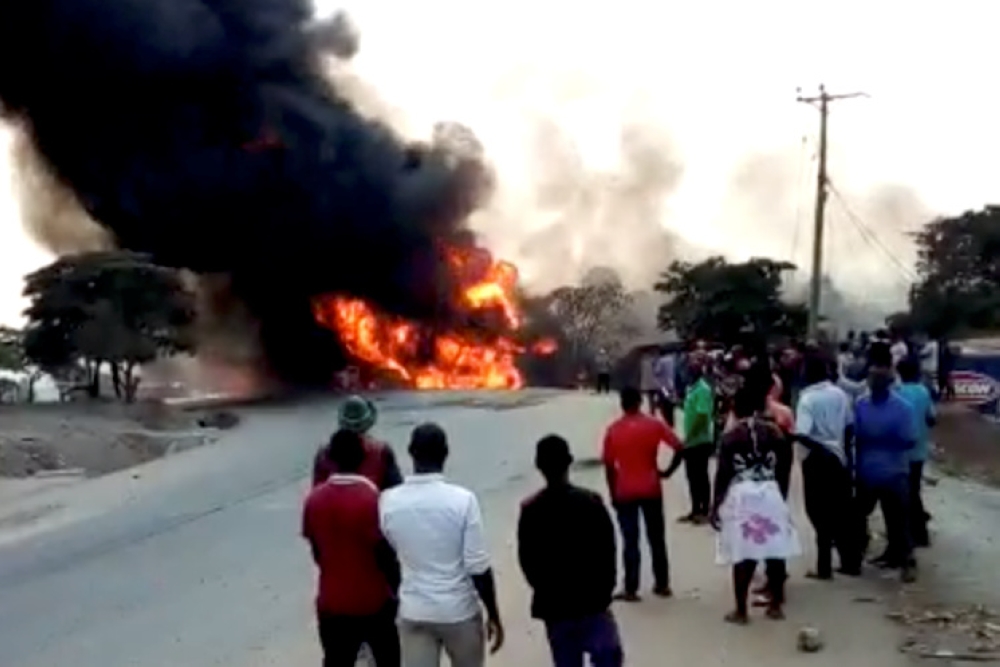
631, 447
358, 572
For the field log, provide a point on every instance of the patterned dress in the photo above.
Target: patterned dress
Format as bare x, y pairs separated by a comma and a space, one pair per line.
756, 523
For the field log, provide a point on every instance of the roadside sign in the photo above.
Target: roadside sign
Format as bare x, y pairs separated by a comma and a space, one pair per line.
974, 388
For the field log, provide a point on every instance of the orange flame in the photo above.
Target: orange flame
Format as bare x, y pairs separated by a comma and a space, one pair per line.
450, 360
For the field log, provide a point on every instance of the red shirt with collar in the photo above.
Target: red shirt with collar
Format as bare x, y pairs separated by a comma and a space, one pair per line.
340, 520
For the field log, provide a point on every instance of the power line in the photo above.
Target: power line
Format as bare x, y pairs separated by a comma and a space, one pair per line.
871, 238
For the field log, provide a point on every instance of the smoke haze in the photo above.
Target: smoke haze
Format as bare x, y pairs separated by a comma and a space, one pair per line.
567, 199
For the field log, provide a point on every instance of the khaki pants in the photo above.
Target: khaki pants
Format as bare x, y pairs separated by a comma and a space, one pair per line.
423, 642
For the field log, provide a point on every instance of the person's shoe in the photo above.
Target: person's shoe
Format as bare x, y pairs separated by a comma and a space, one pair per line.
625, 596
687, 518
849, 570
909, 574
819, 576
699, 519
663, 592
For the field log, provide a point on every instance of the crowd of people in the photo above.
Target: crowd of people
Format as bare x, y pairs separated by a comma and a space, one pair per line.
403, 564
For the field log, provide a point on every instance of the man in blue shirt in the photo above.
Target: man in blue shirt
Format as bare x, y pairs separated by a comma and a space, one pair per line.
884, 440
916, 393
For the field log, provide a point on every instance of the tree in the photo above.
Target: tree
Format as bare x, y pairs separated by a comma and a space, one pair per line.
113, 308
720, 301
958, 274
595, 314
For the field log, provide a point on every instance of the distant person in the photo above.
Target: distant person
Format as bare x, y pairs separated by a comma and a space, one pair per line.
929, 364
648, 382
602, 366
358, 573
898, 349
885, 437
748, 510
946, 365
665, 371
358, 414
915, 392
824, 415
437, 531
566, 549
845, 358
699, 442
782, 417
631, 447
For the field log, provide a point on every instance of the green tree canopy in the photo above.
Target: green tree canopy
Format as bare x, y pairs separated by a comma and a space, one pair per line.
107, 307
958, 274
723, 301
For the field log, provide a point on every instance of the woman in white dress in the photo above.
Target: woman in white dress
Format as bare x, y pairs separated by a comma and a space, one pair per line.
749, 511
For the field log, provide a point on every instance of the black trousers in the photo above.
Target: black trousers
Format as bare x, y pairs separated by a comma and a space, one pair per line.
918, 514
696, 460
651, 511
826, 485
893, 495
603, 383
666, 406
342, 637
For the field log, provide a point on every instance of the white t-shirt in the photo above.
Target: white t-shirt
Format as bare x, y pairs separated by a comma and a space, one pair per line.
823, 413
929, 357
898, 352
437, 531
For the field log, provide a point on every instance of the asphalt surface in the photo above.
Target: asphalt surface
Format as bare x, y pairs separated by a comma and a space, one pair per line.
195, 560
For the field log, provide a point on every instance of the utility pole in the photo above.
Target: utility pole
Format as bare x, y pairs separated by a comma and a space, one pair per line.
821, 102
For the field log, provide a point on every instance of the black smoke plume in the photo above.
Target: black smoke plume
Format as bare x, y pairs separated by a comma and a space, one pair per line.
204, 133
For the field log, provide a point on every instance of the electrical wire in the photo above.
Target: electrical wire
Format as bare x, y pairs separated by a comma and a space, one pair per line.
870, 237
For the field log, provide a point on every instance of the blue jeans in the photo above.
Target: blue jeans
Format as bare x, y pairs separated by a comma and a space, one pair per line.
596, 636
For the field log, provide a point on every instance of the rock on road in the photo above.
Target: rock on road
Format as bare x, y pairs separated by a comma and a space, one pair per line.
195, 560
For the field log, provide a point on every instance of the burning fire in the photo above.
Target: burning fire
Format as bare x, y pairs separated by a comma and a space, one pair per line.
441, 360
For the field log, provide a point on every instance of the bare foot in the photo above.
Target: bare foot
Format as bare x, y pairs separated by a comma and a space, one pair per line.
737, 618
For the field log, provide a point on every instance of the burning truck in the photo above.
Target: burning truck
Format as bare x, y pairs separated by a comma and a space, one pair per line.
208, 134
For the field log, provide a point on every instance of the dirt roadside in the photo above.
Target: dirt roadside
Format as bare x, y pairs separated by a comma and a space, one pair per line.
94, 438
951, 615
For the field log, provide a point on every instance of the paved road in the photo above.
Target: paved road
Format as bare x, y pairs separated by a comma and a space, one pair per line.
196, 561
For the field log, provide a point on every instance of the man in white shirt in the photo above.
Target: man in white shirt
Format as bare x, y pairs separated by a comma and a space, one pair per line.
437, 531
899, 351
823, 416
929, 354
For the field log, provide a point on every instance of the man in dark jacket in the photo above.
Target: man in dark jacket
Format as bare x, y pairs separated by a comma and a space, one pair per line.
358, 415
566, 547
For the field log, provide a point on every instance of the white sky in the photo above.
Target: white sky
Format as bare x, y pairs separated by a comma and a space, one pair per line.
722, 75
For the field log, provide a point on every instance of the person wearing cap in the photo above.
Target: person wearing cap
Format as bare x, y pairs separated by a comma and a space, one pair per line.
566, 549
358, 414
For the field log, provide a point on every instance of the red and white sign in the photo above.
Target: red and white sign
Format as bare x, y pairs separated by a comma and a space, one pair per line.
974, 388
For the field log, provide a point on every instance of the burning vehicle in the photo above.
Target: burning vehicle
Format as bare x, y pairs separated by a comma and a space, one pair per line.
207, 134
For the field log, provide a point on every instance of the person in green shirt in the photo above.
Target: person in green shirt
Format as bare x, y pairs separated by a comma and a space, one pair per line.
699, 441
